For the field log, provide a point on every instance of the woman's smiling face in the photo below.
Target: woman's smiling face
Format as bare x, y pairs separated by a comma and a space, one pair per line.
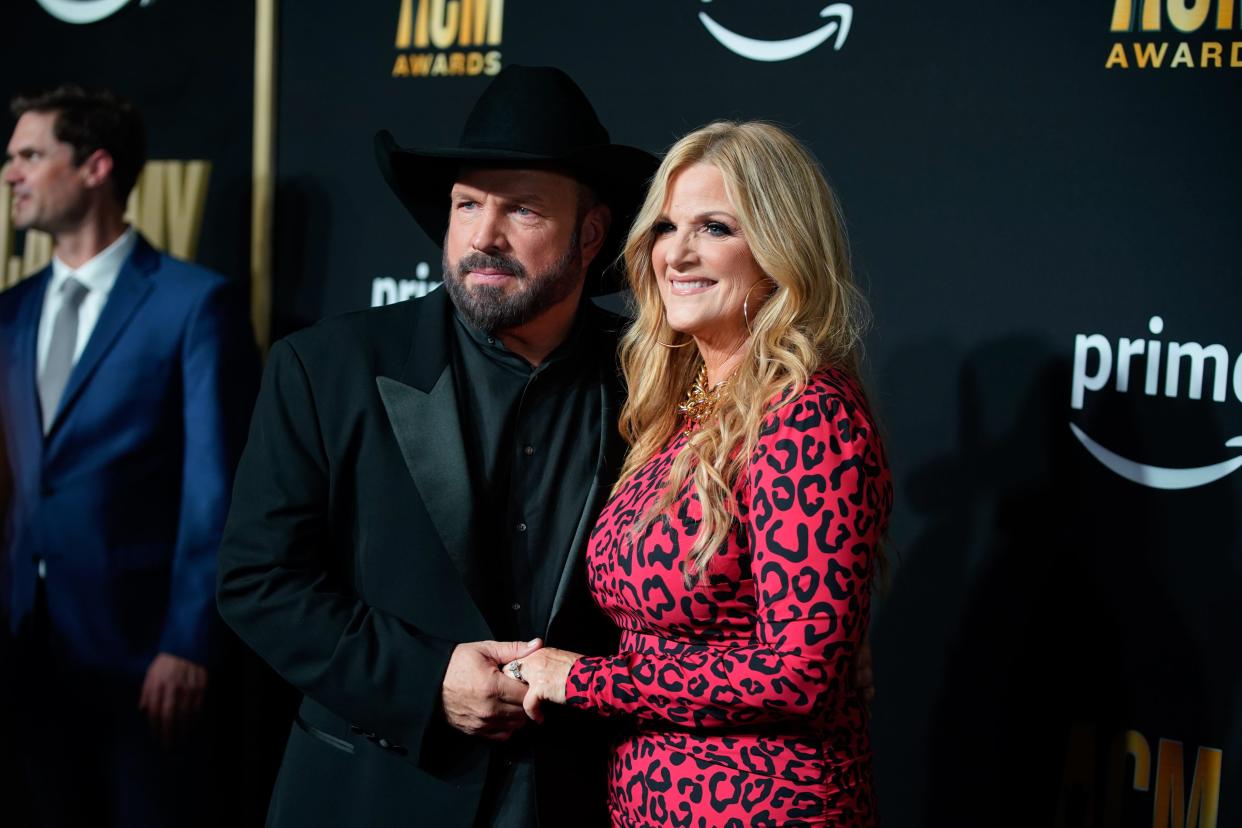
702, 261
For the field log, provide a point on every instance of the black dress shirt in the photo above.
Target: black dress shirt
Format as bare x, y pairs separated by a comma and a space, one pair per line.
531, 438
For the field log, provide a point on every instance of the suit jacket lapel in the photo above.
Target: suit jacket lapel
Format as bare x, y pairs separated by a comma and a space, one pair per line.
25, 420
423, 411
427, 426
608, 455
128, 292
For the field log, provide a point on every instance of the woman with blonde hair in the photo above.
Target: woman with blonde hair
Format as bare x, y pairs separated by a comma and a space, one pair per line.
738, 549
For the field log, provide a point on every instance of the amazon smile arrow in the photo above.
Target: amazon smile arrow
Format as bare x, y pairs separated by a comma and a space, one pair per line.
775, 50
82, 12
1158, 477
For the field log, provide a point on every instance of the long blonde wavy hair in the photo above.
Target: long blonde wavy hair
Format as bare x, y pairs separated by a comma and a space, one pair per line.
813, 316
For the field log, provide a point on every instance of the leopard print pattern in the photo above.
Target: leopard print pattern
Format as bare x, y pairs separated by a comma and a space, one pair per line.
740, 689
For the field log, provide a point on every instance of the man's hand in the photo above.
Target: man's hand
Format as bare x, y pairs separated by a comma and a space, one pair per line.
480, 700
172, 697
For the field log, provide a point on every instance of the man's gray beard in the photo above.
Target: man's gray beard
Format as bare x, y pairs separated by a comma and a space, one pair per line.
490, 308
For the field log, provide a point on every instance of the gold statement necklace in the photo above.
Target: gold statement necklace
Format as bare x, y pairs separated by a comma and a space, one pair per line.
701, 400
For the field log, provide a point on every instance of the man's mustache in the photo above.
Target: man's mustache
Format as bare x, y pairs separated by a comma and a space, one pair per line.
485, 261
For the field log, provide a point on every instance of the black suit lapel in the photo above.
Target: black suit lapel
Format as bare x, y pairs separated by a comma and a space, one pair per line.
427, 426
426, 422
608, 455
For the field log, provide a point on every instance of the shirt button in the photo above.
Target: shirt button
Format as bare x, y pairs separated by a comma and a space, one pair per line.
528, 450
516, 606
521, 527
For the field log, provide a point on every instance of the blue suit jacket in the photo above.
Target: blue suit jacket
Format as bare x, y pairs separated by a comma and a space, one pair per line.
126, 496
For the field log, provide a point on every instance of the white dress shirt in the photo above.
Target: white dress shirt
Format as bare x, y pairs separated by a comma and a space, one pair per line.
98, 275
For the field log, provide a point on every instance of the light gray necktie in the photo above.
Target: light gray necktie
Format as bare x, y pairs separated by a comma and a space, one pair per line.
60, 350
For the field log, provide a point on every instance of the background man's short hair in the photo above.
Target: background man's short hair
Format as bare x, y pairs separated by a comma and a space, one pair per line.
93, 119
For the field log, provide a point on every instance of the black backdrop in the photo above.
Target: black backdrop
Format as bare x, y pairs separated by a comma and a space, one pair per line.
1005, 192
189, 68
1058, 644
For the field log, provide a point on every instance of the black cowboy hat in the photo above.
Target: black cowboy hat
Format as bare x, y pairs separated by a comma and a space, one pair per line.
528, 116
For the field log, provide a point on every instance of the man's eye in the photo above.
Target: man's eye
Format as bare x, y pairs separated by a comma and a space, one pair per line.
467, 205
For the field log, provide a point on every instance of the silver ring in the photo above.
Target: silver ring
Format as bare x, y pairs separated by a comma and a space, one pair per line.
514, 669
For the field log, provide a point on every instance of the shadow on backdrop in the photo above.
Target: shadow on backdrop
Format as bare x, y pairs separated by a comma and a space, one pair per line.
299, 252
1034, 602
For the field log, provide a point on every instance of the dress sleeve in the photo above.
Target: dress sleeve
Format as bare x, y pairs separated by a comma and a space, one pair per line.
815, 502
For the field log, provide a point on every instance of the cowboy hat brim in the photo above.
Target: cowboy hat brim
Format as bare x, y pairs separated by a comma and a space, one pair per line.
423, 178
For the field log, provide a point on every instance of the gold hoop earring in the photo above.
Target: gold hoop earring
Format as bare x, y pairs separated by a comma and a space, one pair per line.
746, 305
667, 345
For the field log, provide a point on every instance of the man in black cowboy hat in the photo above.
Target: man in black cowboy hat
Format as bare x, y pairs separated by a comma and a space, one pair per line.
421, 479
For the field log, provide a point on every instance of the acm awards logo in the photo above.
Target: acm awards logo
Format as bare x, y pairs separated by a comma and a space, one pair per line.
1104, 773
1175, 34
82, 12
839, 17
448, 38
1151, 367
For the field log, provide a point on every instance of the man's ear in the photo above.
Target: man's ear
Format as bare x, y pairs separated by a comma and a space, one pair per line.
96, 170
594, 231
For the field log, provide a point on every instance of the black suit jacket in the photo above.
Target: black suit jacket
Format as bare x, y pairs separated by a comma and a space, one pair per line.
349, 564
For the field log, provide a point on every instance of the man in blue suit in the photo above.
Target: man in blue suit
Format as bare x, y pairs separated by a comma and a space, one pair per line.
126, 380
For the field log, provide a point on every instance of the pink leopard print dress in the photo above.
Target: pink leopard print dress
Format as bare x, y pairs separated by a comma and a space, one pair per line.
741, 689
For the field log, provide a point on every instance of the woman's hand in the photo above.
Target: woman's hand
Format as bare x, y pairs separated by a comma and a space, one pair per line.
545, 671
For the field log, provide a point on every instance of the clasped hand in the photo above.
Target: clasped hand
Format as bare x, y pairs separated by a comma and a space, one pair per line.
544, 671
492, 688
480, 698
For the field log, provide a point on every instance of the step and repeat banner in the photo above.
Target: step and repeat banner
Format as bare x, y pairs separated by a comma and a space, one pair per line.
1043, 202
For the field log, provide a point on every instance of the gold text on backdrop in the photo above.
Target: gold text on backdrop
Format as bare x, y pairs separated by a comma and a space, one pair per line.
166, 205
444, 38
1089, 752
1190, 45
